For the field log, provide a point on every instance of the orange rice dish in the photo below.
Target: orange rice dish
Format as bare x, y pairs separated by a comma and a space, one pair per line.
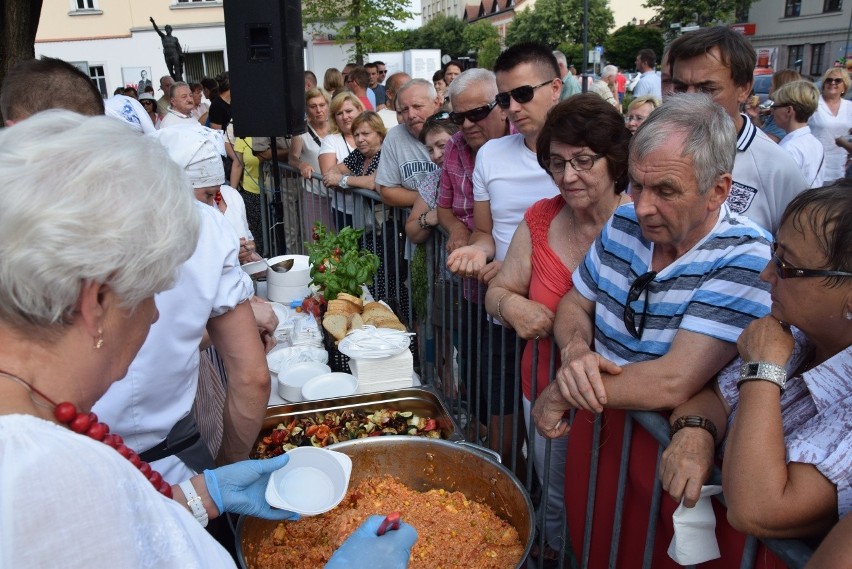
452, 530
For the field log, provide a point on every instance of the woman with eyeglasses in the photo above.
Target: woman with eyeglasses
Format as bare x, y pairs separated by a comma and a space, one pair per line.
358, 169
792, 105
638, 111
583, 145
786, 469
832, 120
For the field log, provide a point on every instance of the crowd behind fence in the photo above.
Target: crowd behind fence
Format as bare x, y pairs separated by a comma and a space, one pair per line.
455, 349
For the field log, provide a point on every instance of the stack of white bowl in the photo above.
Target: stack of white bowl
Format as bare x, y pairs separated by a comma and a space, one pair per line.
289, 286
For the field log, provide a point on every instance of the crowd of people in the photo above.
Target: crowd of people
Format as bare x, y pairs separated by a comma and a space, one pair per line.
681, 251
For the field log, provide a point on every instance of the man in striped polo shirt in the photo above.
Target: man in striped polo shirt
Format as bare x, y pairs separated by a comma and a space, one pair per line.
661, 298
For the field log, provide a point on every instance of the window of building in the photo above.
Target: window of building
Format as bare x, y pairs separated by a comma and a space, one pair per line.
792, 8
817, 55
98, 77
83, 7
795, 53
203, 64
832, 5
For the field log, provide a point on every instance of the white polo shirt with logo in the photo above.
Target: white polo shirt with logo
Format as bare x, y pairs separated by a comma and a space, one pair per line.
766, 178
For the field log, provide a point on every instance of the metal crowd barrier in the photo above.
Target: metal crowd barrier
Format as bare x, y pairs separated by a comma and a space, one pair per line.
457, 346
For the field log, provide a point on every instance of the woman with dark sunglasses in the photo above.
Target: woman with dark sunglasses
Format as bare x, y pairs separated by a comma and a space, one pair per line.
832, 120
786, 470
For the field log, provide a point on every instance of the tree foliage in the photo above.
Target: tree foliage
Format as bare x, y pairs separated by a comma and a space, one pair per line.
369, 23
701, 12
484, 39
444, 33
621, 47
560, 22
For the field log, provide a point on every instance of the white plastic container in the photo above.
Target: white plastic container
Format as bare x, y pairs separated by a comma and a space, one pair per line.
292, 378
314, 481
298, 275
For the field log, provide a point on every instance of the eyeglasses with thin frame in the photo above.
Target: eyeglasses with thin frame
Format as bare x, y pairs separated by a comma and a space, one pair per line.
473, 115
636, 289
522, 94
786, 271
833, 81
582, 163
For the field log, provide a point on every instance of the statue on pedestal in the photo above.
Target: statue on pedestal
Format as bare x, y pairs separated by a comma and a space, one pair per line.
172, 51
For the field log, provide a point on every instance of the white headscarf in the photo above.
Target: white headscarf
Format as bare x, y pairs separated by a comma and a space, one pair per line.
198, 150
131, 112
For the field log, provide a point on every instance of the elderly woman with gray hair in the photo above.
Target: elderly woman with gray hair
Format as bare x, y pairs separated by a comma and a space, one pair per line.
77, 286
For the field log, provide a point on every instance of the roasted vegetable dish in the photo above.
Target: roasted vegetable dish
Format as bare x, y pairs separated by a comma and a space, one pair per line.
323, 429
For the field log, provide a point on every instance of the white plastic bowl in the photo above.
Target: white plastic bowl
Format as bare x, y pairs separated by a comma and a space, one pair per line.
293, 377
330, 385
313, 482
298, 276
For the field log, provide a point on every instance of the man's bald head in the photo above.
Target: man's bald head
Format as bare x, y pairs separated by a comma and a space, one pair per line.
36, 85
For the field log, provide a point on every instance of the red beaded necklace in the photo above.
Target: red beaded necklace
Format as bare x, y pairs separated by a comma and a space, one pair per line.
88, 424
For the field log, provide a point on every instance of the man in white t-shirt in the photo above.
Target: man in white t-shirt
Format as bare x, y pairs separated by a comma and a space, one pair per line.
720, 62
507, 180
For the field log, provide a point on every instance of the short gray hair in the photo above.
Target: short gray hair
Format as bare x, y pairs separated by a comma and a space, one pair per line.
111, 209
430, 88
608, 71
177, 85
560, 58
471, 77
711, 139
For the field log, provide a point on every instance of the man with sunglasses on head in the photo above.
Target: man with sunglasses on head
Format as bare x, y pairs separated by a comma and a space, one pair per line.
720, 62
507, 180
405, 160
661, 297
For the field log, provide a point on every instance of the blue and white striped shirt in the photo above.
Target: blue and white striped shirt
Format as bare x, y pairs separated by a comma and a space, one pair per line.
713, 289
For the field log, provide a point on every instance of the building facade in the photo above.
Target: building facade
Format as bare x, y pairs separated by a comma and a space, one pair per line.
806, 35
116, 45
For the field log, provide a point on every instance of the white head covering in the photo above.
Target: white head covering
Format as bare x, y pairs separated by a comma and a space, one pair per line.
198, 150
130, 112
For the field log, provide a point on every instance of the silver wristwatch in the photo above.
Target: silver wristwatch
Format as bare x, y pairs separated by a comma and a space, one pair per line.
763, 371
344, 182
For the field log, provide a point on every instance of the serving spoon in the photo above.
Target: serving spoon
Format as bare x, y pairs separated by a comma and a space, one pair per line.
280, 266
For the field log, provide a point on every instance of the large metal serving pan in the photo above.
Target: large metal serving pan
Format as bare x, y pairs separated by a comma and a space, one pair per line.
422, 464
422, 401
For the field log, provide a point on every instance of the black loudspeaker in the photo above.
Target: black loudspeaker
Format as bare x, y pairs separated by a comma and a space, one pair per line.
266, 66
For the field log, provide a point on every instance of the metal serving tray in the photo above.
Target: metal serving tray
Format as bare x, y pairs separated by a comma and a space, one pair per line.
423, 401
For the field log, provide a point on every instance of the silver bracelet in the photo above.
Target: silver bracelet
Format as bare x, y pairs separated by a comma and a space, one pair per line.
344, 182
763, 371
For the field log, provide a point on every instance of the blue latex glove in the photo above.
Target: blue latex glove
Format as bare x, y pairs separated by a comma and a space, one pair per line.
240, 488
365, 549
